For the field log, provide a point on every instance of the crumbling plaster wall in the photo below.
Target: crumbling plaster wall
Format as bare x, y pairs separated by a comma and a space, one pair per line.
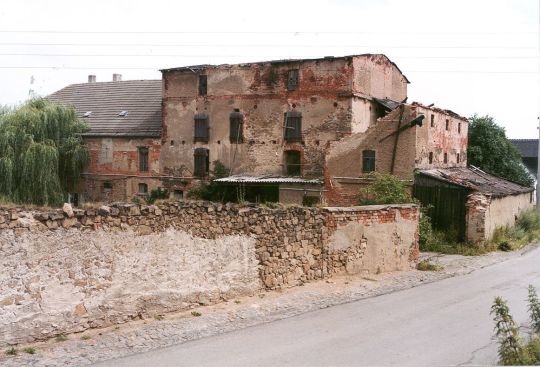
66, 271
486, 213
439, 140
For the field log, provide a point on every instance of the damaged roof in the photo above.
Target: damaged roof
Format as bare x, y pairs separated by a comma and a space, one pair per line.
527, 147
121, 108
477, 180
196, 68
441, 110
387, 104
267, 179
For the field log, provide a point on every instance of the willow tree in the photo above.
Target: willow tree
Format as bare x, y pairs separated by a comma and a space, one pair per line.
41, 152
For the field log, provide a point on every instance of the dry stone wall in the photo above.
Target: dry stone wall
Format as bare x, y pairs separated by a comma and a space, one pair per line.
67, 270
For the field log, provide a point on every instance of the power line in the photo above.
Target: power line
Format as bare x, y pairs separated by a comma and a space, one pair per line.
258, 45
256, 32
222, 55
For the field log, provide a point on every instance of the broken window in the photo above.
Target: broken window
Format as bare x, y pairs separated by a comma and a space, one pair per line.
310, 200
236, 120
447, 124
201, 128
445, 158
203, 85
107, 187
293, 163
368, 161
292, 80
293, 126
432, 120
143, 189
143, 159
430, 157
201, 162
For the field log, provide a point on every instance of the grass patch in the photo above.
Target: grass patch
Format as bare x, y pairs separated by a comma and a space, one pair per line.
237, 301
29, 350
61, 338
196, 313
12, 351
86, 337
426, 265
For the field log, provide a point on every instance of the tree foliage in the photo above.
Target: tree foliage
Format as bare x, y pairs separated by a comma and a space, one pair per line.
41, 152
490, 150
385, 189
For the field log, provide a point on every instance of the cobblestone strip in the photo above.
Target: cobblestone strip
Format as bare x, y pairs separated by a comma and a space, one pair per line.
138, 337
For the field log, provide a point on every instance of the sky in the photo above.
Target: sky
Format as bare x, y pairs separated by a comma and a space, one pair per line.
469, 56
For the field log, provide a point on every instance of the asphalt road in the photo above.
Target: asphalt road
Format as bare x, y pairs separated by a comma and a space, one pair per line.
446, 323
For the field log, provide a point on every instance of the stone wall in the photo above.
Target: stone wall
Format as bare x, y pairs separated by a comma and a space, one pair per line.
68, 270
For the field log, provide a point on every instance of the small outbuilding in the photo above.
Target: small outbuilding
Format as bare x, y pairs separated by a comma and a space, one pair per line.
470, 202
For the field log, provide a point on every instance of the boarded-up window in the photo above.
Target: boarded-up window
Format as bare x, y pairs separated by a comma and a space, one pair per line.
293, 163
143, 189
430, 157
203, 85
143, 159
368, 161
293, 126
201, 162
201, 127
236, 121
292, 80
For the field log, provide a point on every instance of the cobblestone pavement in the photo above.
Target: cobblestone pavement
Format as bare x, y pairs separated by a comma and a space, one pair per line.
140, 336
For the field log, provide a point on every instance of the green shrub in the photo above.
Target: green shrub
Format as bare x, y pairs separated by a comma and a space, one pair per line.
534, 309
158, 194
425, 231
29, 350
426, 265
529, 220
385, 189
12, 351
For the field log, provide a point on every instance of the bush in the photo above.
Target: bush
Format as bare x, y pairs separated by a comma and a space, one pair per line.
211, 191
426, 265
425, 230
529, 220
158, 194
385, 189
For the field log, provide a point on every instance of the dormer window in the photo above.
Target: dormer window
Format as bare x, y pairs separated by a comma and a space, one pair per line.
123, 113
87, 114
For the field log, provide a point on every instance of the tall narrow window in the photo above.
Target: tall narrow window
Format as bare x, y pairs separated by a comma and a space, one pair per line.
293, 163
430, 157
447, 124
292, 80
143, 159
368, 161
293, 126
201, 162
432, 120
203, 85
236, 121
459, 127
201, 128
457, 158
445, 158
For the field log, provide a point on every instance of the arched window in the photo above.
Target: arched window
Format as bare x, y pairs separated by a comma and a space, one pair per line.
236, 122
368, 161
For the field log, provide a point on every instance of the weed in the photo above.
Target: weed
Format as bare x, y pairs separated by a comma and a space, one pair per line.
534, 309
12, 351
426, 265
237, 301
29, 350
61, 338
505, 246
86, 337
196, 313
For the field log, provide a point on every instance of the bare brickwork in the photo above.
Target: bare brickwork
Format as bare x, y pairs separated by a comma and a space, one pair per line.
72, 269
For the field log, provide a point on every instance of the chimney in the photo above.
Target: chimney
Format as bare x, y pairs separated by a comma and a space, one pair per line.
117, 77
91, 78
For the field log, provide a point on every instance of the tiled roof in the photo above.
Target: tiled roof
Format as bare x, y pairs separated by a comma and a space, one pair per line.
477, 180
526, 147
104, 101
267, 179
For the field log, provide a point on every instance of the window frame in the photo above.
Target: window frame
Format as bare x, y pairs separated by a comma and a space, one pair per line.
203, 85
144, 154
292, 129
293, 169
236, 127
293, 79
145, 188
369, 161
201, 156
201, 123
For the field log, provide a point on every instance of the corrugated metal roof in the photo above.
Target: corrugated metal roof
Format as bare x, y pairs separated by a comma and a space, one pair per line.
105, 100
477, 180
267, 179
528, 148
